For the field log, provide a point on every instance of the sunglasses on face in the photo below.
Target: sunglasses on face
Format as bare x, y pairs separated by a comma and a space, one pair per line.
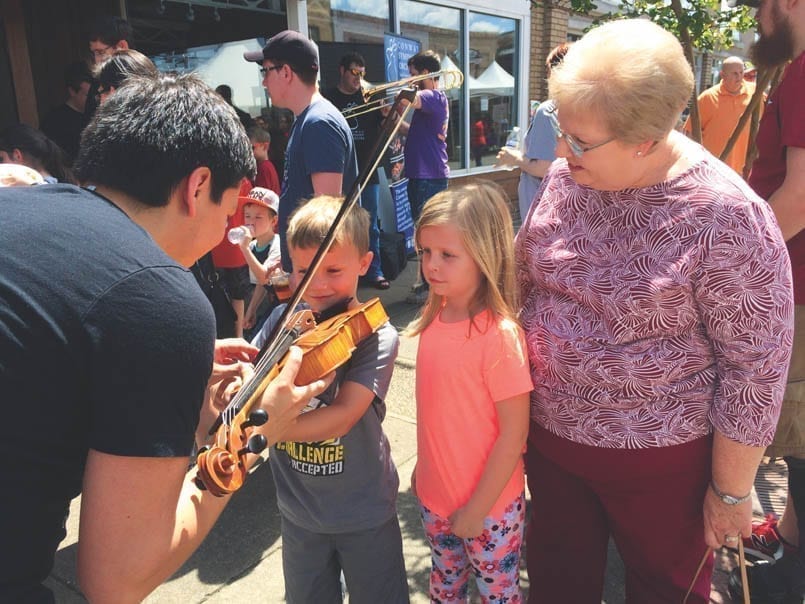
357, 72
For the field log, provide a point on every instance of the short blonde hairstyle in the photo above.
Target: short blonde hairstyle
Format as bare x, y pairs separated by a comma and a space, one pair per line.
310, 222
631, 73
480, 211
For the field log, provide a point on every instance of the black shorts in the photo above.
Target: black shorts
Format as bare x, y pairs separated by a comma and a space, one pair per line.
236, 281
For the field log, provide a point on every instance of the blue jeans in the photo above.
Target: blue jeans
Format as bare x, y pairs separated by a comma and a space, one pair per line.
370, 196
422, 189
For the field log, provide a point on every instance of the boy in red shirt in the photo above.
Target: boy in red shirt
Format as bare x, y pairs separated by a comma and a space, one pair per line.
266, 173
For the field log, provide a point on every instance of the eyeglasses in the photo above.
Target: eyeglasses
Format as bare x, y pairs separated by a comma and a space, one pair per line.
357, 72
575, 146
265, 70
100, 52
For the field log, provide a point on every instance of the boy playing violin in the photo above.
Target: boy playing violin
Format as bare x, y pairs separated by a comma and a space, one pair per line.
336, 483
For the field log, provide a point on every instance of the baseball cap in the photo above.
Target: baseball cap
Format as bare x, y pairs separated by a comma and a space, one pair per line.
262, 197
289, 47
752, 3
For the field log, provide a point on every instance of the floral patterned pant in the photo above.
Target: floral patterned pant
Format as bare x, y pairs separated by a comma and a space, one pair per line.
493, 556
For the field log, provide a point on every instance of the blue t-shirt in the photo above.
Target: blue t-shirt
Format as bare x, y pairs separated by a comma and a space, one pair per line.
426, 144
320, 141
106, 343
539, 143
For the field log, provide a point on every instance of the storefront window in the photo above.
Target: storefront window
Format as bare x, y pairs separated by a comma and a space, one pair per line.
209, 39
493, 61
438, 28
341, 26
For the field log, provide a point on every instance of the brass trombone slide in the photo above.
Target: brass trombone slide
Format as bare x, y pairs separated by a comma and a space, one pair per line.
449, 79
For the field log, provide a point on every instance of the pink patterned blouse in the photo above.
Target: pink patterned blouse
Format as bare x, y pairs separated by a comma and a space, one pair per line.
654, 315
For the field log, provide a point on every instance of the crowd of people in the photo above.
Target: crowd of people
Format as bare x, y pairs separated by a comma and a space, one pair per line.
630, 354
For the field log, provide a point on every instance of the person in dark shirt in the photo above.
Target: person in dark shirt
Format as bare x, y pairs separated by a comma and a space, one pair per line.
106, 36
365, 128
64, 124
226, 93
107, 344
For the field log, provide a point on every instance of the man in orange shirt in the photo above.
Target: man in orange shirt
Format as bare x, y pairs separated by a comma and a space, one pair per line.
720, 108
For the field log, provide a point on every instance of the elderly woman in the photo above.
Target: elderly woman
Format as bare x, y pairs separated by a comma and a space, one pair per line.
658, 310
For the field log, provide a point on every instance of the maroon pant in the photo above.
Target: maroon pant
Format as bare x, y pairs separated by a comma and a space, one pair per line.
648, 500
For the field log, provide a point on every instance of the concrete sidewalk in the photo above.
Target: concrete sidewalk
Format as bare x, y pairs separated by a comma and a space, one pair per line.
241, 558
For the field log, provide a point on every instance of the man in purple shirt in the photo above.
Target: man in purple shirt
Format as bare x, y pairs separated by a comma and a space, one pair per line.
426, 143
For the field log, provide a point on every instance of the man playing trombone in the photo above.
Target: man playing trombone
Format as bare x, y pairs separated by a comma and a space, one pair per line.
426, 144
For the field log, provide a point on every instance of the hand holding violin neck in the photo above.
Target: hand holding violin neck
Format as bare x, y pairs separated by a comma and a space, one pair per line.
305, 371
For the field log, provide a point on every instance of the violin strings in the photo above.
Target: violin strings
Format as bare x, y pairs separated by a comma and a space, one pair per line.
248, 389
262, 368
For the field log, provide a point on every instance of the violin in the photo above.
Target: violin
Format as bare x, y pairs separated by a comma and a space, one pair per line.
221, 467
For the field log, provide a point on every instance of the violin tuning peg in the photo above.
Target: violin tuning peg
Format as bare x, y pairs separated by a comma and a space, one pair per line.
256, 418
256, 444
200, 484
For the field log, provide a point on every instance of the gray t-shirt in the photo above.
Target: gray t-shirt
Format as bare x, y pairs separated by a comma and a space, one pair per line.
349, 483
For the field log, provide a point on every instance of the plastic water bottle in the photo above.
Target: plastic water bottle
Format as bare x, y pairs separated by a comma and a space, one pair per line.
238, 234
513, 142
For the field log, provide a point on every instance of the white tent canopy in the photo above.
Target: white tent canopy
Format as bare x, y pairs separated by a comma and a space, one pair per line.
493, 81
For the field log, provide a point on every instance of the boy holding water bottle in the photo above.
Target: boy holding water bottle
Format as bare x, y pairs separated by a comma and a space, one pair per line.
260, 246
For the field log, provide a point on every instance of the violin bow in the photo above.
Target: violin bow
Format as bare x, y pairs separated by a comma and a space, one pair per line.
388, 128
277, 342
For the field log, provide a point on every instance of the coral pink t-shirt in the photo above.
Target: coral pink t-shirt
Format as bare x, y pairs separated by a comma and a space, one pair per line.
459, 377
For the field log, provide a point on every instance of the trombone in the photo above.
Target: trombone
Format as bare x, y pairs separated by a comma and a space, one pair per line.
449, 79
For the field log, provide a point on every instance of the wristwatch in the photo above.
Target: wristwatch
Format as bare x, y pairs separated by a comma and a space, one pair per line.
729, 499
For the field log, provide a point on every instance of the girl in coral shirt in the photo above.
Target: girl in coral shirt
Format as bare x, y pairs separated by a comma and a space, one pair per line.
473, 385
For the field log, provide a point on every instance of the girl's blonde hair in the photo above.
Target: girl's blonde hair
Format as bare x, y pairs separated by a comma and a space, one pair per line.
310, 222
480, 211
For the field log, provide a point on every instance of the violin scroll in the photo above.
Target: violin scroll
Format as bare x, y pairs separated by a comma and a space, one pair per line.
222, 467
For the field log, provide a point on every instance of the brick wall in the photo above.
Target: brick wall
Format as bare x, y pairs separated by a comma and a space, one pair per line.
548, 29
707, 72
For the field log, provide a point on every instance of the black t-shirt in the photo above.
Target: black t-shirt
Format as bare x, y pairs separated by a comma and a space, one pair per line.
63, 126
365, 128
106, 343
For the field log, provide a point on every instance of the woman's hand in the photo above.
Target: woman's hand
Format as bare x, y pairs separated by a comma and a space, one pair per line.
507, 156
465, 524
723, 523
